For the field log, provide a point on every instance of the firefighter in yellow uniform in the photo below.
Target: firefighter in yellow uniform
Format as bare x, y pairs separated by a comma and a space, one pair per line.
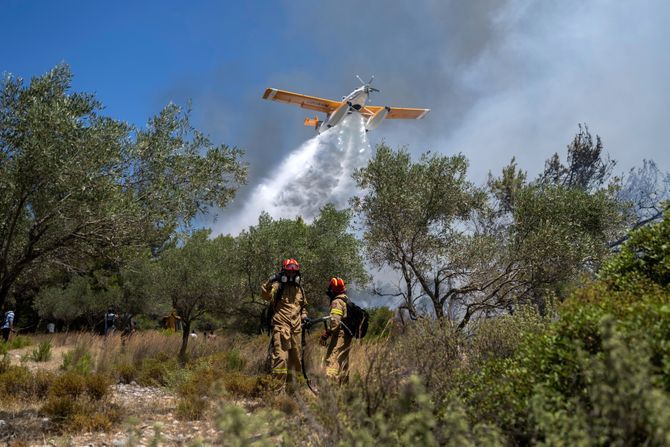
288, 300
337, 355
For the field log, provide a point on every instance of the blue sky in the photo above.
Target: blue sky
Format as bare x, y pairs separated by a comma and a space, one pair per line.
503, 77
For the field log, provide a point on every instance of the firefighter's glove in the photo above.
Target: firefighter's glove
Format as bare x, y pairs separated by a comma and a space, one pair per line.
274, 278
306, 322
323, 340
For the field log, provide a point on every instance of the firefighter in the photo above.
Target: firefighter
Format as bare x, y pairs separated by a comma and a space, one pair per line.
289, 303
337, 355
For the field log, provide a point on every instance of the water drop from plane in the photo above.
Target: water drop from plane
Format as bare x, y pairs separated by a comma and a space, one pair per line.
316, 173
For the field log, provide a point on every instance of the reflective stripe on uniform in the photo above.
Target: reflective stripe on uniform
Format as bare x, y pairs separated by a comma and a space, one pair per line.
331, 371
334, 311
279, 370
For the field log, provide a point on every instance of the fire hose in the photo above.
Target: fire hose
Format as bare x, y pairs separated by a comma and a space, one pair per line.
306, 326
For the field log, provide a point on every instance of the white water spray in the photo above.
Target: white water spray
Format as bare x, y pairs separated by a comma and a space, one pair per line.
316, 173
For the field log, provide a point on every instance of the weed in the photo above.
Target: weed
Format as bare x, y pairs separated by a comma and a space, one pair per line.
42, 353
16, 382
79, 360
126, 372
97, 385
156, 371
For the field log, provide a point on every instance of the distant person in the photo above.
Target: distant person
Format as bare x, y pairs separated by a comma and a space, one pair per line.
110, 320
8, 322
172, 321
337, 355
193, 334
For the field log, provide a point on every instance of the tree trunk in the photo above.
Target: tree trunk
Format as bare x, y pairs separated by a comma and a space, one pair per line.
4, 291
185, 334
439, 308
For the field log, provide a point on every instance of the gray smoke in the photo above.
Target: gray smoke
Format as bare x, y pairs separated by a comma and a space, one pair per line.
503, 78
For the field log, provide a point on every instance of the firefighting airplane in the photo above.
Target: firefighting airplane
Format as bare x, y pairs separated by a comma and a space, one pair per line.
336, 110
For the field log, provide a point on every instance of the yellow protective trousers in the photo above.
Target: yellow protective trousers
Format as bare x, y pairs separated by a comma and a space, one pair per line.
337, 356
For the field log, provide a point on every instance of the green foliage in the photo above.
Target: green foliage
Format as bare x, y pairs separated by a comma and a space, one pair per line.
380, 321
131, 187
81, 297
78, 402
156, 371
16, 342
19, 383
560, 232
238, 429
79, 359
411, 215
499, 337
645, 256
324, 248
42, 353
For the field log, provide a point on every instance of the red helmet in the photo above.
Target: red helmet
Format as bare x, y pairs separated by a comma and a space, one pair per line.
290, 265
337, 286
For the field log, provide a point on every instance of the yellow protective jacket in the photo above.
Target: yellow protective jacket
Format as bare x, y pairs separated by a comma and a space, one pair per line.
290, 310
338, 311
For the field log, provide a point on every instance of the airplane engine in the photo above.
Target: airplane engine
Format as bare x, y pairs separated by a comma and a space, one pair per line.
376, 119
335, 117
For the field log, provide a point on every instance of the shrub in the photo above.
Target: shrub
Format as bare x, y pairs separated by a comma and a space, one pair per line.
77, 402
81, 414
380, 318
4, 363
156, 371
16, 383
97, 385
42, 381
19, 342
126, 372
191, 409
78, 359
264, 429
42, 353
70, 384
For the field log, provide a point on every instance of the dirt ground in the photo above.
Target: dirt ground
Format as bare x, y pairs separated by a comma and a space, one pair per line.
150, 417
150, 421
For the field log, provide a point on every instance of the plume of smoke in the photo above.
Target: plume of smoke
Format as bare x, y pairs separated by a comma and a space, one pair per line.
316, 173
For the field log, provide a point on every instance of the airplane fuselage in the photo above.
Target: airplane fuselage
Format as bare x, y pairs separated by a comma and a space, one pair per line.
357, 99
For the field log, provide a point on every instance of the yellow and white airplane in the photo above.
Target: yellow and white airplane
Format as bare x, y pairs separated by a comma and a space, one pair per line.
335, 111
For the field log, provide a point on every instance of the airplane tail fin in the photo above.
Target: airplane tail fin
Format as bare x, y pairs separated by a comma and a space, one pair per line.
312, 122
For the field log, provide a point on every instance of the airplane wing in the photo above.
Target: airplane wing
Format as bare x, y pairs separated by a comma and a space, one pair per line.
304, 101
401, 113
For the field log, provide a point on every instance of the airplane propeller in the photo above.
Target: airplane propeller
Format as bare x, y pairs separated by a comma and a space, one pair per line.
367, 84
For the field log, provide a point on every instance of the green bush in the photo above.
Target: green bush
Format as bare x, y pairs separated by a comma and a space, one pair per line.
380, 318
69, 384
16, 383
19, 342
78, 359
126, 372
645, 256
78, 402
157, 371
42, 353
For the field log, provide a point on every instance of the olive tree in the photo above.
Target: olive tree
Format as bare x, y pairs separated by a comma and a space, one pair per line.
192, 279
420, 219
76, 184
